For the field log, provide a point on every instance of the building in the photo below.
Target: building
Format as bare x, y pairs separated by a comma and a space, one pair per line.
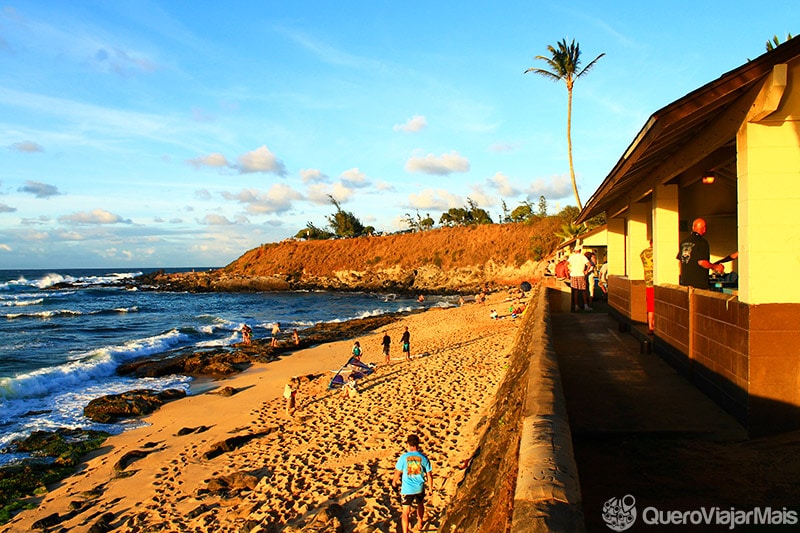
728, 152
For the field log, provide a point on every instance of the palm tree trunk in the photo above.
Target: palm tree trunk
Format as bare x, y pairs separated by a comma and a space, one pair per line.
569, 147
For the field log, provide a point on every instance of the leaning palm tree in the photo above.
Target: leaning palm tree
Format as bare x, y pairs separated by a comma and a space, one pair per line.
564, 63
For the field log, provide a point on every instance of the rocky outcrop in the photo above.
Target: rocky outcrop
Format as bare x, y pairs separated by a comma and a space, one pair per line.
129, 404
444, 261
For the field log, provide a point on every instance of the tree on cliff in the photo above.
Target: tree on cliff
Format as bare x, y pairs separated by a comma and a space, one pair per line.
344, 223
465, 216
522, 213
419, 224
311, 233
564, 63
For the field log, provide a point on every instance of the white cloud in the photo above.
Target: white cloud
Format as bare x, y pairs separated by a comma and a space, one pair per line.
27, 146
261, 160
503, 147
96, 216
202, 194
442, 165
277, 199
412, 125
5, 248
216, 160
503, 186
556, 187
39, 189
434, 199
69, 236
312, 175
215, 220
320, 193
6, 208
479, 196
354, 178
342, 192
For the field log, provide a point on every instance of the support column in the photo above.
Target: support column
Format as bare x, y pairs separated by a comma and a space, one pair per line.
666, 235
637, 238
768, 159
616, 247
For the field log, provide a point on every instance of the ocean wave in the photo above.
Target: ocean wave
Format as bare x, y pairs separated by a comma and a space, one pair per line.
20, 302
43, 314
54, 278
95, 364
52, 313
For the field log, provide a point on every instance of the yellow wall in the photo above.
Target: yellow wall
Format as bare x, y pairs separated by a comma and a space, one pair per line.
616, 247
666, 269
769, 200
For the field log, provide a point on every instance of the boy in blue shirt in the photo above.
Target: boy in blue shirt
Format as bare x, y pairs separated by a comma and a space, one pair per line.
412, 471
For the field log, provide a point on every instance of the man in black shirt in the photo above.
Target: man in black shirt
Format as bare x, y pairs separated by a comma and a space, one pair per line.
694, 258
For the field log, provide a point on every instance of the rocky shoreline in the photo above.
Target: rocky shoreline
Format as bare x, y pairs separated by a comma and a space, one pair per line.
55, 454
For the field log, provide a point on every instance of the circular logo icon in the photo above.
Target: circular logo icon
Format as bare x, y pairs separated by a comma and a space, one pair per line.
620, 513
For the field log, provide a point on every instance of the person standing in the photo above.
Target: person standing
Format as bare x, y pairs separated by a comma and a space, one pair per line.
357, 351
276, 329
694, 257
650, 296
412, 472
385, 343
405, 340
247, 334
578, 266
290, 394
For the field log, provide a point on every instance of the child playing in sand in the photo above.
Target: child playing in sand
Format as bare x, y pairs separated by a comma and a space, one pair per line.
290, 392
350, 386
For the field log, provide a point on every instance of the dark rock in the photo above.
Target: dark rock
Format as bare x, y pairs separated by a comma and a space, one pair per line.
129, 404
128, 458
188, 431
226, 391
228, 445
47, 522
197, 511
328, 520
103, 524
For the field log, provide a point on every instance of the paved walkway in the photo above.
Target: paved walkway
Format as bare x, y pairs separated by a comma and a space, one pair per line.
641, 429
611, 387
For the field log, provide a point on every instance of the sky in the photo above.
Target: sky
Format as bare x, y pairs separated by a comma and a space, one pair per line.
179, 134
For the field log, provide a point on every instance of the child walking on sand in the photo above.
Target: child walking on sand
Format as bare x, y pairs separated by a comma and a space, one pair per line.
290, 393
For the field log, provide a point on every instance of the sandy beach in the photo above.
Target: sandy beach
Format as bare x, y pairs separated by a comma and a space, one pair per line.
212, 462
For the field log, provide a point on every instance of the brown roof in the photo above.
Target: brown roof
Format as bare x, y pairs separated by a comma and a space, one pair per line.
698, 129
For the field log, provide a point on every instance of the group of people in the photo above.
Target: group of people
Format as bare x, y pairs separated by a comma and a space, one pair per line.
405, 342
247, 335
582, 270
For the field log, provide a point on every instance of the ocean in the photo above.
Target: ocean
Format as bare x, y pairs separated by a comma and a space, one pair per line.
60, 347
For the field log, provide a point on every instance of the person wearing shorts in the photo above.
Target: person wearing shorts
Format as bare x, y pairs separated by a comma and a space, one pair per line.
405, 340
412, 473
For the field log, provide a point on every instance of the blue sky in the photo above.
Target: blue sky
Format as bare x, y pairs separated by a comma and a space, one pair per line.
180, 133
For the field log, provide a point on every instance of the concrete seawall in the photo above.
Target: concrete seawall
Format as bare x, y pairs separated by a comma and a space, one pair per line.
547, 495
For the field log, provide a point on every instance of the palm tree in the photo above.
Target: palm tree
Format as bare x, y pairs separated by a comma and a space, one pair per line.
776, 42
564, 63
